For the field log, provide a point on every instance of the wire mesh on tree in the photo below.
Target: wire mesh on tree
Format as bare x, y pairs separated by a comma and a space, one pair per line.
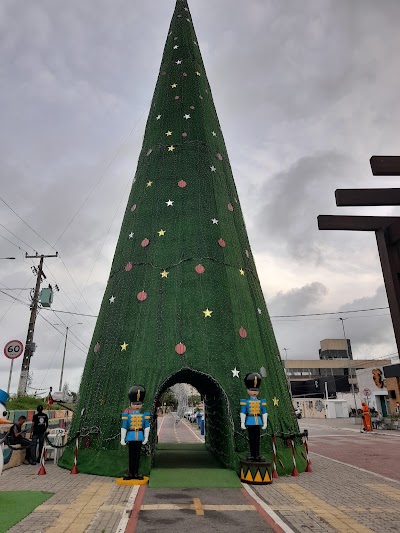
183, 302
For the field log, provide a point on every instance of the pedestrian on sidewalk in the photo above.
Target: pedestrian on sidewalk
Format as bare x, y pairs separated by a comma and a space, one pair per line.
17, 436
366, 417
40, 424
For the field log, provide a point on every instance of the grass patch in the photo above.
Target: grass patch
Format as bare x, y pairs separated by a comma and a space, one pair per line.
189, 466
17, 504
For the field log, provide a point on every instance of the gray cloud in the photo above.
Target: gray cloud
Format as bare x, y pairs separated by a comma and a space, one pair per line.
305, 94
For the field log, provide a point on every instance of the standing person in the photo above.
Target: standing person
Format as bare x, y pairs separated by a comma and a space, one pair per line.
17, 436
366, 417
50, 399
40, 423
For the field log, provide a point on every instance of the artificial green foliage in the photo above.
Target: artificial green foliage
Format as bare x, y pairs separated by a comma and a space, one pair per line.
189, 266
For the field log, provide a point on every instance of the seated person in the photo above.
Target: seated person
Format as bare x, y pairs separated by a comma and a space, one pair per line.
378, 421
17, 436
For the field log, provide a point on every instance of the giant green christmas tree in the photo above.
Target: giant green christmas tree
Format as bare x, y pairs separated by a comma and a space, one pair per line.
183, 301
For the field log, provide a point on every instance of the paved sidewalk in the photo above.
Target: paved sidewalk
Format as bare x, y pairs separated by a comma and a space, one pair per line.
335, 498
80, 502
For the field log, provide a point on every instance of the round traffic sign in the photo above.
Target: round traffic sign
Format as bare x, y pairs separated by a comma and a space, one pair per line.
367, 393
13, 349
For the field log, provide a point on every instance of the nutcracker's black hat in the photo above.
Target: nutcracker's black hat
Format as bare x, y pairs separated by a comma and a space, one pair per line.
136, 394
253, 381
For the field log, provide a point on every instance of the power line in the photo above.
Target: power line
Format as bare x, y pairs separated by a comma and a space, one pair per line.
331, 313
16, 236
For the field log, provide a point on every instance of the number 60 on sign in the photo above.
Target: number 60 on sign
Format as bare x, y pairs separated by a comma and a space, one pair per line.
13, 349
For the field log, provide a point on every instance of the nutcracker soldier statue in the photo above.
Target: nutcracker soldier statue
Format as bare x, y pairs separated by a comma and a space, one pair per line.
253, 414
135, 429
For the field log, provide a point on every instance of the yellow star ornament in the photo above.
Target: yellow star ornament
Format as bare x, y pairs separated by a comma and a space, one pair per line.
164, 274
161, 233
168, 133
149, 184
171, 148
276, 401
174, 85
241, 272
123, 347
207, 313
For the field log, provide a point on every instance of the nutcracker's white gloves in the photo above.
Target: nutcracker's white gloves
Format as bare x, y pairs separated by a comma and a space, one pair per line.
146, 435
123, 435
265, 420
243, 420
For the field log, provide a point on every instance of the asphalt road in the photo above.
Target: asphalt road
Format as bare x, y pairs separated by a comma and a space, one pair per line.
341, 439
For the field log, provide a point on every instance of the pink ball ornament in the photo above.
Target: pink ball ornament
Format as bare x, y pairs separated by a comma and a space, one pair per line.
243, 333
128, 267
230, 207
200, 269
222, 243
141, 296
219, 156
177, 97
145, 242
96, 347
184, 134
180, 348
133, 208
182, 184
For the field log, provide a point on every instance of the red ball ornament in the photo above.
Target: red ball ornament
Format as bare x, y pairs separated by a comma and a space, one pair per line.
219, 157
230, 207
128, 267
96, 347
222, 243
243, 333
141, 296
145, 242
180, 348
200, 269
133, 208
182, 184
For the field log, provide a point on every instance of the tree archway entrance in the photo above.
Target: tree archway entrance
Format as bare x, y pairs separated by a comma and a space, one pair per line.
218, 416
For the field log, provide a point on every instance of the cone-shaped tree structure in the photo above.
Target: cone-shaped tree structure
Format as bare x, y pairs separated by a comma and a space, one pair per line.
183, 302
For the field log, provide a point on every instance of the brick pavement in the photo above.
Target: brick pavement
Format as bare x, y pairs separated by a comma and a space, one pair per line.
335, 498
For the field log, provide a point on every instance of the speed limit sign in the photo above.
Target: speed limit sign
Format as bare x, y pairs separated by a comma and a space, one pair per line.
13, 349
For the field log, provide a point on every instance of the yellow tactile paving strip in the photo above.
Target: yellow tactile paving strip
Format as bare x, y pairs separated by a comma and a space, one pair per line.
76, 516
338, 519
387, 490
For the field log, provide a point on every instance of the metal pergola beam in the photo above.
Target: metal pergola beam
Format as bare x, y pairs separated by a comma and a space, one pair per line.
365, 197
354, 223
385, 165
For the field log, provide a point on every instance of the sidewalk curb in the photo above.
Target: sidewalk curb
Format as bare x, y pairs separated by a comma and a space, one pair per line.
134, 516
127, 511
265, 511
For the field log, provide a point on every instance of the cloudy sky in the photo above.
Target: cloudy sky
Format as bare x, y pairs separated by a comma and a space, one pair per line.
306, 92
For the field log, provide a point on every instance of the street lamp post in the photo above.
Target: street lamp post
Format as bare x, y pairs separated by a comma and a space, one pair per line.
7, 257
350, 371
67, 328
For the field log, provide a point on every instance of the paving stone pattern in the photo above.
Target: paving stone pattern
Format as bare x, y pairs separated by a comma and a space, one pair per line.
335, 498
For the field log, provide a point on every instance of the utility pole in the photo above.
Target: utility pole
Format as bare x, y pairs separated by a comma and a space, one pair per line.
65, 348
23, 378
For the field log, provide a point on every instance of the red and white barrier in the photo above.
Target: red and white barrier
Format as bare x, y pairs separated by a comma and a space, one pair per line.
42, 470
75, 468
294, 471
308, 467
274, 471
